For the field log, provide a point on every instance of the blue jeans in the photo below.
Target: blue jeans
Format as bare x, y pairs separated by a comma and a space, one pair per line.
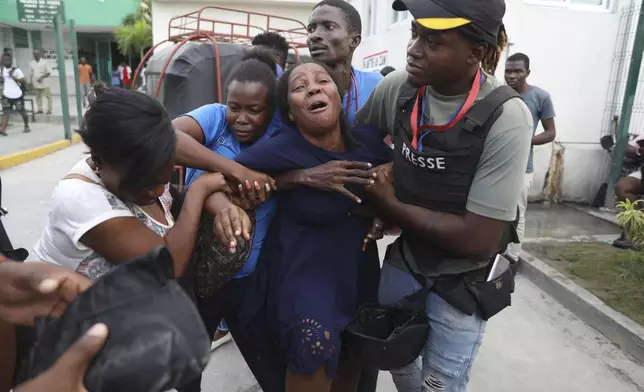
453, 341
85, 88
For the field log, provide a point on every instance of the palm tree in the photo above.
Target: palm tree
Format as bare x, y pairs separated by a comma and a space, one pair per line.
136, 33
133, 39
144, 12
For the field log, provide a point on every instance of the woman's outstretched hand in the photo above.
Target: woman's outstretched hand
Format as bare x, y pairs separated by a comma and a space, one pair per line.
31, 289
230, 224
382, 189
67, 374
333, 176
253, 186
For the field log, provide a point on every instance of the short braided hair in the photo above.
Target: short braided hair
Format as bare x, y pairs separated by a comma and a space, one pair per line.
490, 60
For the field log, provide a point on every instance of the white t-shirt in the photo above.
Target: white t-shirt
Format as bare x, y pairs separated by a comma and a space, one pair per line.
636, 174
78, 206
637, 139
12, 89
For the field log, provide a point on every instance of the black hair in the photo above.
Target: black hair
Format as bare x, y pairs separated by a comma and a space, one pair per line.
275, 42
495, 46
130, 131
6, 50
257, 65
349, 12
386, 70
283, 91
521, 57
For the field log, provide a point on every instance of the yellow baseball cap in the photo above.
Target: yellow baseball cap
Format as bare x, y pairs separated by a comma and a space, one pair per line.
486, 15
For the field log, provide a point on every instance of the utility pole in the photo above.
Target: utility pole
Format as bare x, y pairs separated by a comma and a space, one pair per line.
62, 76
627, 108
79, 99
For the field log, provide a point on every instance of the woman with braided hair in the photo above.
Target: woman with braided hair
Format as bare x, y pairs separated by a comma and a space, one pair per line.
461, 143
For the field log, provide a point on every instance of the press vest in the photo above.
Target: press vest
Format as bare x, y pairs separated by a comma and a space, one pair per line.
439, 178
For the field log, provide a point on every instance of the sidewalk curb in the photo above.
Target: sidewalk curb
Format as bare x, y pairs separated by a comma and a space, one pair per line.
597, 214
17, 158
621, 330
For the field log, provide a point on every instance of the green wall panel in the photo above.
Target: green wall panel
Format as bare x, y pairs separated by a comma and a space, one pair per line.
101, 13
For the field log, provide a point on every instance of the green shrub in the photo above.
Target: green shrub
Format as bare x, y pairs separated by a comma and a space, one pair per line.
632, 220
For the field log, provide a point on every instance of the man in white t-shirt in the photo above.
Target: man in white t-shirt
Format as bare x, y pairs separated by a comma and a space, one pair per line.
13, 83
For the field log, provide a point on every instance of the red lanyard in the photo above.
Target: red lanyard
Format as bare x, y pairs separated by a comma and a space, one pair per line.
474, 91
353, 82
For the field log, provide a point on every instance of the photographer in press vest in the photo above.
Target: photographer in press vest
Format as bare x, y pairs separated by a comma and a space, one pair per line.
461, 142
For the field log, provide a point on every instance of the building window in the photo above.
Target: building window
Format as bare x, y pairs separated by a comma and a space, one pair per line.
36, 39
582, 4
370, 17
399, 16
20, 38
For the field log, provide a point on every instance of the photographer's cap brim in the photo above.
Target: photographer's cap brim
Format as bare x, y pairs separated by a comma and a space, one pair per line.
430, 14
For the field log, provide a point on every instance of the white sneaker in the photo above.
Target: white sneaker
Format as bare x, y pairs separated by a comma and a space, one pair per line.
220, 342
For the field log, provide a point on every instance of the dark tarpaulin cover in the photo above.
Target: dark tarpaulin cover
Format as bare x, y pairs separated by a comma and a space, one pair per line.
156, 340
190, 80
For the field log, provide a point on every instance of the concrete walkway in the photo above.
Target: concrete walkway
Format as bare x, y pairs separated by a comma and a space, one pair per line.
534, 346
559, 222
41, 134
57, 105
46, 129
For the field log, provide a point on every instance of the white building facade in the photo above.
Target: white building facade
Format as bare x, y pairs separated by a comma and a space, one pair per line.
579, 52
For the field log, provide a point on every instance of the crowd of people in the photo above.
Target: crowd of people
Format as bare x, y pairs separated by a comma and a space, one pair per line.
15, 82
298, 174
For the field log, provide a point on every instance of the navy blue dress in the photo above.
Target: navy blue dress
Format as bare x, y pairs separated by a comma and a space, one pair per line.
312, 274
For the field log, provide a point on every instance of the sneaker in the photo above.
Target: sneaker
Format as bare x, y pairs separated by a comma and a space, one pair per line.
27, 130
221, 341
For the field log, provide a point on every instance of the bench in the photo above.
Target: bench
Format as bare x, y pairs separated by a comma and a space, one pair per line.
29, 111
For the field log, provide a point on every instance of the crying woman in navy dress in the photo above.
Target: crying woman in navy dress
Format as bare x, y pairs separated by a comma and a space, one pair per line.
313, 273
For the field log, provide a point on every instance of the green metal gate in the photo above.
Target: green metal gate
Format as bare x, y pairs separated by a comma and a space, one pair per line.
103, 61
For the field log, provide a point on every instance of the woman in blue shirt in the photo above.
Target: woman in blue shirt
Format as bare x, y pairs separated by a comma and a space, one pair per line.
228, 130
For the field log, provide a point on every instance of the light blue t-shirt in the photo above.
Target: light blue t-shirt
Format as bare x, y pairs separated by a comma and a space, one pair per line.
366, 82
540, 105
212, 120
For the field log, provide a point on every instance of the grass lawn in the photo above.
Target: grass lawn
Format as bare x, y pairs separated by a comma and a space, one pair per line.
615, 276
